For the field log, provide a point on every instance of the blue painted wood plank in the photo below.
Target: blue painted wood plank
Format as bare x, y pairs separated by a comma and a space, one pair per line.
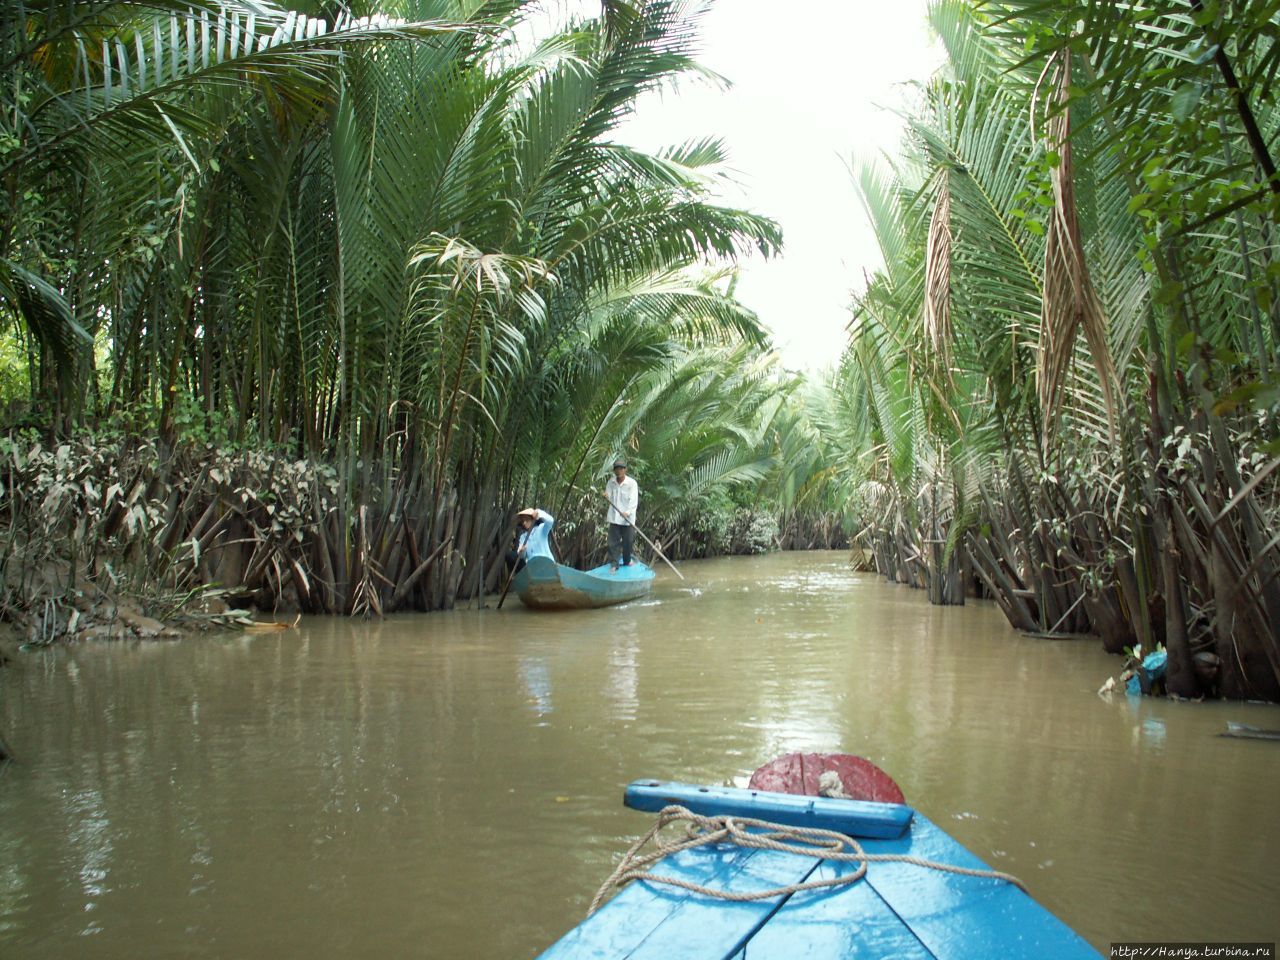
619, 928
966, 918
857, 818
711, 929
635, 570
851, 923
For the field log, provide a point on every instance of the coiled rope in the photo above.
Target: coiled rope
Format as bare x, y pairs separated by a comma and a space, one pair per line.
758, 835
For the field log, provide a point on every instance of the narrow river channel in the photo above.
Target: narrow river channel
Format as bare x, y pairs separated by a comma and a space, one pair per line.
449, 785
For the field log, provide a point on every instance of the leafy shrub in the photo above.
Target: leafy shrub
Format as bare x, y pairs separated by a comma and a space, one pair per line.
752, 532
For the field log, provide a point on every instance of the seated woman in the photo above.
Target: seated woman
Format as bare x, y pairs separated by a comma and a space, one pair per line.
533, 536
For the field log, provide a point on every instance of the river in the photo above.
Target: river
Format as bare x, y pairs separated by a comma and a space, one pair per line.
449, 785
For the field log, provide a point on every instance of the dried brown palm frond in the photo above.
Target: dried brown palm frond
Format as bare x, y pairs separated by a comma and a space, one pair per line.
937, 274
1070, 303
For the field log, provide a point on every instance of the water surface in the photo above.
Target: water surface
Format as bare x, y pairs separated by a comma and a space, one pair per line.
449, 785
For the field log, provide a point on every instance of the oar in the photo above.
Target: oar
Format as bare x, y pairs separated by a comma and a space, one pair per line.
646, 539
510, 576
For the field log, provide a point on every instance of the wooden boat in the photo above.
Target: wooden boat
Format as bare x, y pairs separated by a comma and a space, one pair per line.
1245, 731
546, 585
897, 909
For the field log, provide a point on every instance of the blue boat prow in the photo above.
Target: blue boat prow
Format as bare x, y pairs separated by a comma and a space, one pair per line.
544, 584
899, 910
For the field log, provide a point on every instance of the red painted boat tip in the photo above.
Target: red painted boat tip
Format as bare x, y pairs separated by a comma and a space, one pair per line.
799, 773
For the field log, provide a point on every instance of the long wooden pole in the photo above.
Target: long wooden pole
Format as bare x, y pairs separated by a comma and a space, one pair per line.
510, 577
511, 574
646, 539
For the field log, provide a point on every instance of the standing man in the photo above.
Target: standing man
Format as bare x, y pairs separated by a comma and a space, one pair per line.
623, 496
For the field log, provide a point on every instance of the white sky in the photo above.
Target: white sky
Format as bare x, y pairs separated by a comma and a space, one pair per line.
815, 83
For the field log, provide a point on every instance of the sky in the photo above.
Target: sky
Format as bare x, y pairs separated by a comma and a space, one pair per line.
815, 84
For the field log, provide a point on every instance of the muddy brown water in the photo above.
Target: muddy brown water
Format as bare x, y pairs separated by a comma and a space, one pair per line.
449, 785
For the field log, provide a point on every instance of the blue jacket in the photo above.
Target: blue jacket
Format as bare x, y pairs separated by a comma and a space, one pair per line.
536, 541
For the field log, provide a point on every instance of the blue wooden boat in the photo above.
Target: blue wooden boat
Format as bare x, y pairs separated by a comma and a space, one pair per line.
898, 909
547, 585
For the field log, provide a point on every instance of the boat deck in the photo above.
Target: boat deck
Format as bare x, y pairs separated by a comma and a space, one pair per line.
898, 910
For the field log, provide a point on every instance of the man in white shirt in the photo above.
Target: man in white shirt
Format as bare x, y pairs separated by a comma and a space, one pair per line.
623, 496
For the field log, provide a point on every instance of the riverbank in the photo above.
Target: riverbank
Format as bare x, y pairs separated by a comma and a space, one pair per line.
117, 538
413, 777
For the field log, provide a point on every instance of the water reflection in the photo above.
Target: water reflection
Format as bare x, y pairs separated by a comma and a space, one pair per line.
537, 683
624, 677
449, 785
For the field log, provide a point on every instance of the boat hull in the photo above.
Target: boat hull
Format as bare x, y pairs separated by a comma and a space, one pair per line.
897, 908
544, 584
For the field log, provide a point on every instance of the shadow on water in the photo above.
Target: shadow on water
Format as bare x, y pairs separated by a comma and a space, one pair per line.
449, 785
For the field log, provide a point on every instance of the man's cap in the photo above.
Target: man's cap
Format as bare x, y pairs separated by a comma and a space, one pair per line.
528, 512
619, 463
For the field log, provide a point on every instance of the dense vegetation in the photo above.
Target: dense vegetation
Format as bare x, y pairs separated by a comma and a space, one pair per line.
1063, 383
305, 303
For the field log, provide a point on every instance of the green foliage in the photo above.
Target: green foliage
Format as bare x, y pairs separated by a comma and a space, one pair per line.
752, 532
408, 247
15, 384
1177, 228
1108, 276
